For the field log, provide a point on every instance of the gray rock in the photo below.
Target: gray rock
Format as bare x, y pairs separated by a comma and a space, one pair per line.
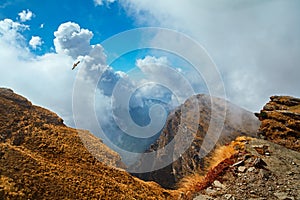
228, 196
218, 184
251, 169
283, 196
242, 169
210, 191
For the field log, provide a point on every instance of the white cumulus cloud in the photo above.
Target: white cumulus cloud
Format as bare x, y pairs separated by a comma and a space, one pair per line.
25, 15
71, 40
35, 42
10, 32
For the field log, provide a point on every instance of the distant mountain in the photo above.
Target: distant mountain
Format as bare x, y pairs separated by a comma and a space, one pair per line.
192, 120
41, 158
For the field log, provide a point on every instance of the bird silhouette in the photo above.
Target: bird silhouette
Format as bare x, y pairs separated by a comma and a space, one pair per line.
75, 64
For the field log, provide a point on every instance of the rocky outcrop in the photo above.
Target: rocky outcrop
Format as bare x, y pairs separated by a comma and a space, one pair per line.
192, 121
280, 121
41, 158
262, 170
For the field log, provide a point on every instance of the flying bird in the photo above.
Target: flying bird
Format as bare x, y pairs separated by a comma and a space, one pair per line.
75, 64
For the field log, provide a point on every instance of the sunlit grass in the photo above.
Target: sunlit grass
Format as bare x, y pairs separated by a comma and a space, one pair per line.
220, 159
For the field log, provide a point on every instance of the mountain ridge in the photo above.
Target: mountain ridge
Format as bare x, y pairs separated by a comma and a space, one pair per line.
237, 122
41, 158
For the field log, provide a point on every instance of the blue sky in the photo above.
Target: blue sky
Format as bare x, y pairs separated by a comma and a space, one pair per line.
104, 21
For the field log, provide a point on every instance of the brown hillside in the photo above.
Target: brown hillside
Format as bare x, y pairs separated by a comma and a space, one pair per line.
41, 158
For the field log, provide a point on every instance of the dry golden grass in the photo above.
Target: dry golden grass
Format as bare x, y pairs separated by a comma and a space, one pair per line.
41, 158
218, 162
295, 109
281, 121
188, 185
223, 152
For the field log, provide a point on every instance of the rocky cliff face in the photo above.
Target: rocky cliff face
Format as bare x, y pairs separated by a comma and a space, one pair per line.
280, 121
41, 158
192, 121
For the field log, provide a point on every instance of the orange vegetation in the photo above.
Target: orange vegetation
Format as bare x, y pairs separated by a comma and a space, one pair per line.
222, 158
41, 158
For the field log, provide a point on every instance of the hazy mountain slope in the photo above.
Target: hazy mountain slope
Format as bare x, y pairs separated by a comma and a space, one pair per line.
41, 158
238, 122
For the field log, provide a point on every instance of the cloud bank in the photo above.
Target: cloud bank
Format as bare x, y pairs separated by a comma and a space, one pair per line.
255, 44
